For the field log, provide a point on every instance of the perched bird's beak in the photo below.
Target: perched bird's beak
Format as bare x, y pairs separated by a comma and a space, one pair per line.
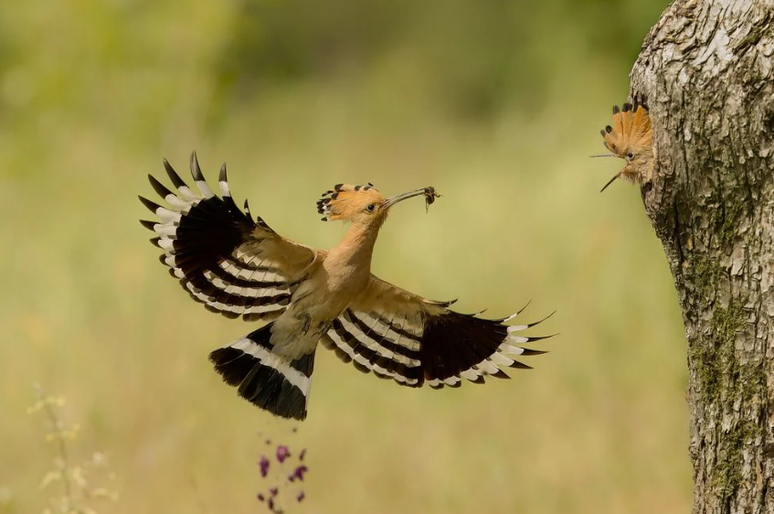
611, 180
614, 176
399, 198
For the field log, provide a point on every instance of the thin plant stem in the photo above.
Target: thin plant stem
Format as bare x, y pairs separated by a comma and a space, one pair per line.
52, 418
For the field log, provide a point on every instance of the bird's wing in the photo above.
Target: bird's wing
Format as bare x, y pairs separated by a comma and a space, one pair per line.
233, 264
399, 335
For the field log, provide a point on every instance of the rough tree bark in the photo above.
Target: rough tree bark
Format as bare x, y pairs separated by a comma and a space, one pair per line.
706, 71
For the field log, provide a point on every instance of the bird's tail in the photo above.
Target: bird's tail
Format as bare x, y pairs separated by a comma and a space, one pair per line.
265, 379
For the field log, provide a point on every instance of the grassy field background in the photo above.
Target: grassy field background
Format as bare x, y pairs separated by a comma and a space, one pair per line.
94, 93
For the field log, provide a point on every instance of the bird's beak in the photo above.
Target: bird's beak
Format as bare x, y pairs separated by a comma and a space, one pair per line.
611, 180
399, 198
604, 155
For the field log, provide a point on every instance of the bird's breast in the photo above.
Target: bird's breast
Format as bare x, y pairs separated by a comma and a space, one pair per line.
315, 304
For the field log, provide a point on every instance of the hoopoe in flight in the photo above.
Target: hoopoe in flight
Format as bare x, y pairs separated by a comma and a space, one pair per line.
238, 266
630, 138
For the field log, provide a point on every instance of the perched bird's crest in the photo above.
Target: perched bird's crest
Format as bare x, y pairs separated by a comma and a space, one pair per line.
630, 138
346, 201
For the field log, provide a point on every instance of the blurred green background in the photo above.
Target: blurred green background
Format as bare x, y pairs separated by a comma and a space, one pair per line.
497, 104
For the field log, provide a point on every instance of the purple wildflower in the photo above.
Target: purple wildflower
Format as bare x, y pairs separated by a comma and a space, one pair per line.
282, 453
298, 473
276, 472
264, 464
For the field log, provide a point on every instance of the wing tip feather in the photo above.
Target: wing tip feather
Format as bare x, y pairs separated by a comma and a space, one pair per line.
160, 189
151, 206
150, 225
173, 176
196, 170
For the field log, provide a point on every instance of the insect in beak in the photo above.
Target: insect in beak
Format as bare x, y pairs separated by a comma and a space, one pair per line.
430, 196
428, 192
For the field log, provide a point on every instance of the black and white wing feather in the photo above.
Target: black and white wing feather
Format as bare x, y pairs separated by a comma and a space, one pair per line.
413, 341
233, 264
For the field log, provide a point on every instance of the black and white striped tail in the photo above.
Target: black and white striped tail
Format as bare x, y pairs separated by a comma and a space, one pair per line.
263, 378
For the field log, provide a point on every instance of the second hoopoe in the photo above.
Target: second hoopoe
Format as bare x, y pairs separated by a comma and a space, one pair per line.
630, 138
238, 266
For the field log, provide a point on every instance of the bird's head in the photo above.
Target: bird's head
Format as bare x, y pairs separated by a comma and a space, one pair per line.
363, 204
631, 139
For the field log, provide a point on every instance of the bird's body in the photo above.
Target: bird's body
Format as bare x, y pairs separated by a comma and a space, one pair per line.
240, 267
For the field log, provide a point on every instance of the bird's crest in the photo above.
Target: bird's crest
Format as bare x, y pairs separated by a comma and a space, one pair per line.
345, 201
630, 138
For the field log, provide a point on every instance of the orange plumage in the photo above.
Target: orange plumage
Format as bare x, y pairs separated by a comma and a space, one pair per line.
349, 202
630, 138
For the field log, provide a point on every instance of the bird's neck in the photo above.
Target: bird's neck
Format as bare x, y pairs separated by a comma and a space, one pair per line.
357, 247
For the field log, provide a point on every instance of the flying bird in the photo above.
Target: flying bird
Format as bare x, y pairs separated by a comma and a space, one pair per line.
631, 139
238, 266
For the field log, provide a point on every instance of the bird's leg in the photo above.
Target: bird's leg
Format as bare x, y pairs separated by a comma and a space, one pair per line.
322, 328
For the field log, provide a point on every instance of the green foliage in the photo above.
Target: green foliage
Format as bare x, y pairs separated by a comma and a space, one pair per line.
479, 55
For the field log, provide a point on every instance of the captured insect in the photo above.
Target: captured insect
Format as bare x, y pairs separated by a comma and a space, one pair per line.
430, 196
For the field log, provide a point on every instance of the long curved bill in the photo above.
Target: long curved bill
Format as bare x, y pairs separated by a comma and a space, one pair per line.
614, 176
427, 192
611, 180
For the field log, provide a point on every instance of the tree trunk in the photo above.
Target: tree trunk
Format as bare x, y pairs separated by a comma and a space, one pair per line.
706, 72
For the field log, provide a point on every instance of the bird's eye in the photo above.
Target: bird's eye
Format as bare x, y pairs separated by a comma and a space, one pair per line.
630, 156
371, 207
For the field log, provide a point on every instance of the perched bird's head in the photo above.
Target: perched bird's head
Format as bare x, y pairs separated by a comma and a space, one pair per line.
631, 139
363, 204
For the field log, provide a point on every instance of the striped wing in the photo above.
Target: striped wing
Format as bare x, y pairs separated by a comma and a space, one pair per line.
224, 259
412, 340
